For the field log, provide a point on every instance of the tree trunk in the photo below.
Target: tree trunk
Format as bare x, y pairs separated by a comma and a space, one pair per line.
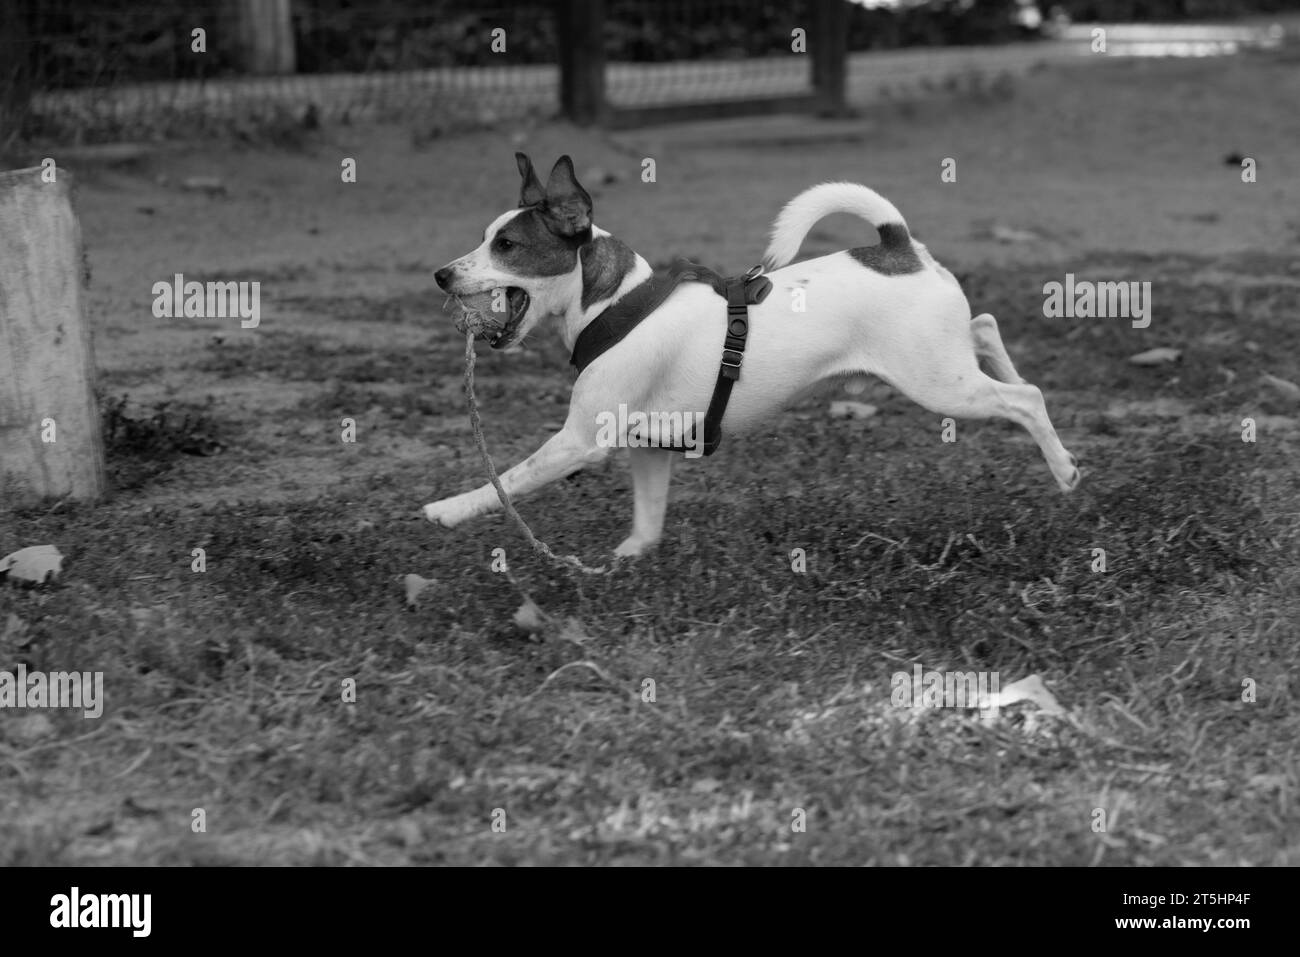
266, 44
15, 69
580, 25
50, 442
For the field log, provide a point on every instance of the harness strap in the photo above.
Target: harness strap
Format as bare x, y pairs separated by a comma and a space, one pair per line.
741, 292
611, 326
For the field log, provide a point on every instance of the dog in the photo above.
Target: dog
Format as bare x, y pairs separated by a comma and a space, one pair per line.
888, 310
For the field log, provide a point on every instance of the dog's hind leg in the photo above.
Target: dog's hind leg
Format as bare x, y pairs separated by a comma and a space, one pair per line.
651, 473
988, 346
962, 390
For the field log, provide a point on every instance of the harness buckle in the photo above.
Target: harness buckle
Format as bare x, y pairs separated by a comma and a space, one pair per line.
731, 360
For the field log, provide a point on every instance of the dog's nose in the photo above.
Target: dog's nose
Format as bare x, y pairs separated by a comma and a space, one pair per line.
442, 277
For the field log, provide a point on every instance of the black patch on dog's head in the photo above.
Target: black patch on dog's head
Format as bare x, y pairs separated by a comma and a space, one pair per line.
527, 246
555, 222
605, 264
893, 256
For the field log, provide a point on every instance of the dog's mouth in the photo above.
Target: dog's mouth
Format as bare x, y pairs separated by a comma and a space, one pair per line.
519, 302
478, 312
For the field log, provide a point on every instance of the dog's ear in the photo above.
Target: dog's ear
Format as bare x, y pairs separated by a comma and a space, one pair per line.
531, 192
568, 206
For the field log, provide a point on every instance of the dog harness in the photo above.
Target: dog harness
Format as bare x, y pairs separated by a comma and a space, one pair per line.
612, 325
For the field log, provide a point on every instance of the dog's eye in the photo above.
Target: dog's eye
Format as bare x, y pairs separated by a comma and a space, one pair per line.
502, 243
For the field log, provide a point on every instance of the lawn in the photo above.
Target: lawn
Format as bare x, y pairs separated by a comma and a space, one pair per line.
227, 689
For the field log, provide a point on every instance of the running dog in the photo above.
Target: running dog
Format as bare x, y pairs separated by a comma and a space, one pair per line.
888, 310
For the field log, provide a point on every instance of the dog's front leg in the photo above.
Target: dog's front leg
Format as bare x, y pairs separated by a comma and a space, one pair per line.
651, 473
562, 454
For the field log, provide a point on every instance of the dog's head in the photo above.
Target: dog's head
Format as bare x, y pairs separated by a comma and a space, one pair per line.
531, 252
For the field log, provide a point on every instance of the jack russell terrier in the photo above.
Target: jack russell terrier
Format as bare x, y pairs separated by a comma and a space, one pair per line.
888, 310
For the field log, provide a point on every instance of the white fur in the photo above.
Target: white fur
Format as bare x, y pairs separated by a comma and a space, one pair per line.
803, 212
914, 331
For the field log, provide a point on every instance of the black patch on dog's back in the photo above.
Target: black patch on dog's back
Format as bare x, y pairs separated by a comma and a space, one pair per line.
606, 262
893, 256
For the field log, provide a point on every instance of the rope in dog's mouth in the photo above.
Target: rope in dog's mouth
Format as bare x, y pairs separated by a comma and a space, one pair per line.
492, 322
539, 546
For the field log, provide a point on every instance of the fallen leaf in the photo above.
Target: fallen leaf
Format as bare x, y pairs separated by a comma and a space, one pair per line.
1288, 389
1220, 339
1157, 356
1156, 840
414, 586
212, 185
406, 832
1009, 234
152, 618
1267, 782
847, 409
29, 728
36, 563
12, 636
133, 808
1029, 689
573, 631
529, 617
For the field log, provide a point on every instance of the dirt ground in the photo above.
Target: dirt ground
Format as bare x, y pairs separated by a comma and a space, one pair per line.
1125, 171
1119, 169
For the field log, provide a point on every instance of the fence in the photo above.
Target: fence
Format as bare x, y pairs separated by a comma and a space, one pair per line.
124, 69
120, 69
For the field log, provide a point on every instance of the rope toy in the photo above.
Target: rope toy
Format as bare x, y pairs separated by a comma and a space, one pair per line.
474, 321
475, 314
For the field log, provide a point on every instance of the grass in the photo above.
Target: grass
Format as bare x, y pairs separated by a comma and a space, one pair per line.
143, 444
229, 689
771, 686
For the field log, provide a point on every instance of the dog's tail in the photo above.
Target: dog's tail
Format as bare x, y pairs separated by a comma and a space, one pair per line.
803, 212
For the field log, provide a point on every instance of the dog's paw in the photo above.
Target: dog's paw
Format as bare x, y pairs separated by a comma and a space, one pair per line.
1069, 480
633, 547
443, 513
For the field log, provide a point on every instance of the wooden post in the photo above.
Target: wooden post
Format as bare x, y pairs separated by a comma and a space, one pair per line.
50, 443
828, 48
15, 69
265, 36
581, 36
